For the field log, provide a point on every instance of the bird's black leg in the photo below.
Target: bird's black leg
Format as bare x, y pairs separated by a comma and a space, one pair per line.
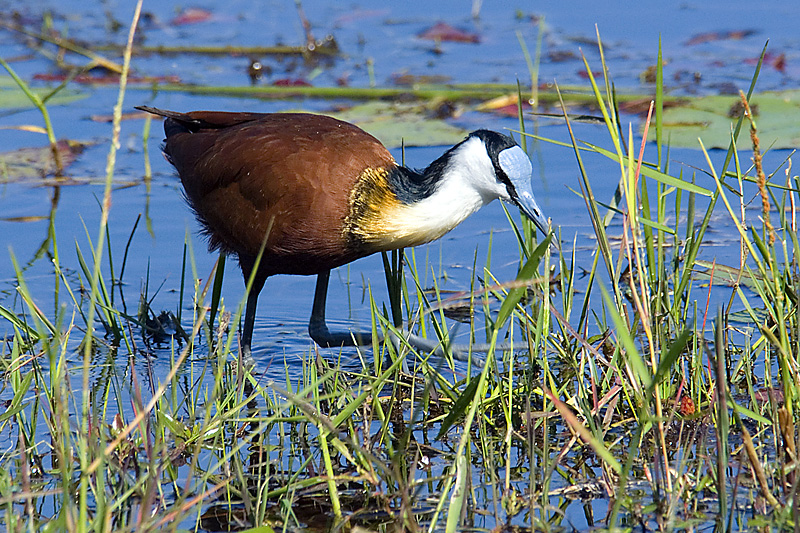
318, 329
319, 332
247, 264
249, 323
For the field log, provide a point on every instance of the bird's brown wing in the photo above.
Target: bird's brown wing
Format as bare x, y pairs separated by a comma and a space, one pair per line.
285, 176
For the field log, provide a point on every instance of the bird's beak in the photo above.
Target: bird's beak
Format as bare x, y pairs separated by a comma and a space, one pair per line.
527, 203
517, 167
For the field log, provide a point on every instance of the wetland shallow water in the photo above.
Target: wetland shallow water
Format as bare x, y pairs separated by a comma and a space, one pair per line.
378, 42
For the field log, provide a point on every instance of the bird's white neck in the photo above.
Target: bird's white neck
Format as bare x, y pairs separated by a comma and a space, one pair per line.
456, 185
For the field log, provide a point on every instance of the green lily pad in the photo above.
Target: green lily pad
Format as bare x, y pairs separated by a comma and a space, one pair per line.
34, 163
12, 97
712, 119
724, 276
397, 124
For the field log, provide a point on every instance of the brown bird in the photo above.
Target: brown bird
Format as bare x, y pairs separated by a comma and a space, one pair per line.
316, 193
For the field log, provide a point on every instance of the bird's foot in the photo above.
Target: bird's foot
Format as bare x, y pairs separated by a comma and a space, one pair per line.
246, 359
319, 332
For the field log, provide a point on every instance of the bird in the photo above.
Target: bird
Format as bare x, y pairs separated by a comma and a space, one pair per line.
303, 193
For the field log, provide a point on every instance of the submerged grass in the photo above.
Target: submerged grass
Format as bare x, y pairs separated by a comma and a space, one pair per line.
628, 386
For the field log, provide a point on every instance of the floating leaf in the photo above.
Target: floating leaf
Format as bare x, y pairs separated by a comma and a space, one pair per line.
441, 31
744, 317
508, 106
30, 218
105, 79
191, 15
712, 118
725, 276
409, 80
764, 395
225, 518
33, 163
12, 97
501, 102
776, 61
30, 128
397, 124
596, 74
291, 82
713, 36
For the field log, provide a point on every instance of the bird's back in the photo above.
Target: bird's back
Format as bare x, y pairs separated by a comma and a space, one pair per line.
283, 176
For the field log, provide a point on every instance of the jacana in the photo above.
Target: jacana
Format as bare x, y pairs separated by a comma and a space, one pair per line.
310, 193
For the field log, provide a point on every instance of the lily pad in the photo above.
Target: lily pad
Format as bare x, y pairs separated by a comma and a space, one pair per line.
712, 118
725, 276
33, 163
397, 124
12, 97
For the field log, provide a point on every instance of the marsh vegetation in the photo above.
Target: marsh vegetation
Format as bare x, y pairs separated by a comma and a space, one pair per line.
643, 376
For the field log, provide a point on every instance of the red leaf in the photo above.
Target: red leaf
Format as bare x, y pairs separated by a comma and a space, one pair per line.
764, 395
441, 31
585, 75
191, 15
106, 79
711, 36
291, 82
778, 62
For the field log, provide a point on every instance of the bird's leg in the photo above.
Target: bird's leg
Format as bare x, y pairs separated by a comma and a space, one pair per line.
249, 323
319, 332
318, 329
248, 264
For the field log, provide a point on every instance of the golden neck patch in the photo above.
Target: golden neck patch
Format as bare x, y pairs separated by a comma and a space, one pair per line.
371, 200
378, 220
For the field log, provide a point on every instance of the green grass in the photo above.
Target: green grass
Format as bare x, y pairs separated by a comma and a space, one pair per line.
627, 385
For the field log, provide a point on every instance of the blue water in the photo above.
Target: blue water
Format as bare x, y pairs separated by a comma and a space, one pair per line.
380, 37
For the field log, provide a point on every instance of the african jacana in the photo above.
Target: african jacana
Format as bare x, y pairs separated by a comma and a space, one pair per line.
318, 193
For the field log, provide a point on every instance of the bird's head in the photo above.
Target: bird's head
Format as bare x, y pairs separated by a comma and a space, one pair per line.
497, 167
